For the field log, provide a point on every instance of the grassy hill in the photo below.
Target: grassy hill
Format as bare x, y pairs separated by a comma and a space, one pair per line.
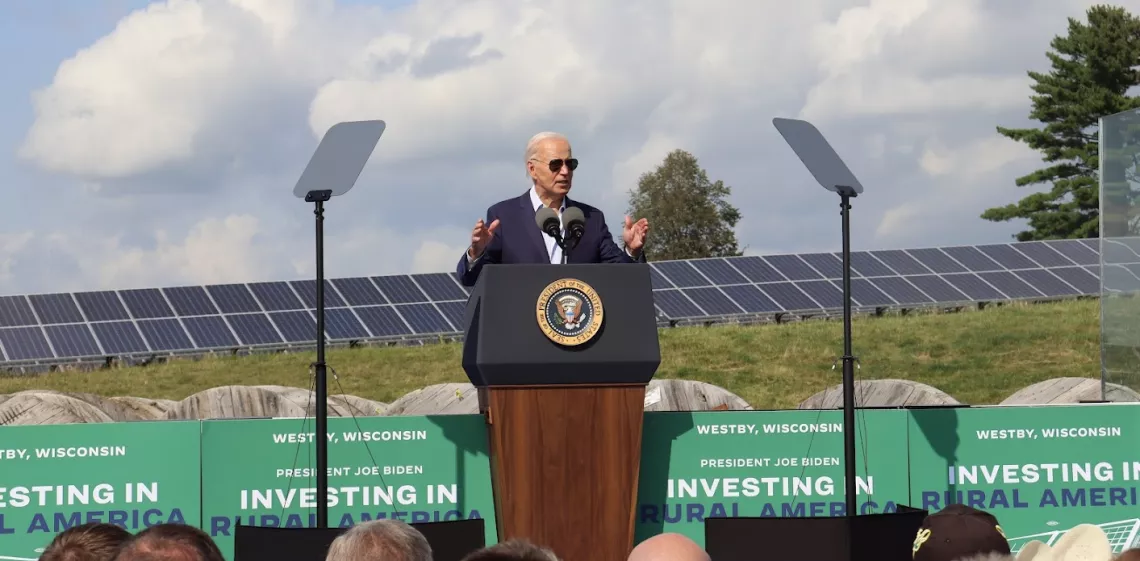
978, 357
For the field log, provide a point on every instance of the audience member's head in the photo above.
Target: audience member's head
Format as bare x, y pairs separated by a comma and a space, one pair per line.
380, 540
1129, 555
1083, 542
668, 547
170, 542
512, 550
94, 541
958, 532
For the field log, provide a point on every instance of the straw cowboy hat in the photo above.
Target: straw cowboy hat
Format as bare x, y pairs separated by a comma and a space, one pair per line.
1085, 542
1035, 551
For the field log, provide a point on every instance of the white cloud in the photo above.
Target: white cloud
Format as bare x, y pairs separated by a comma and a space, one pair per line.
858, 34
978, 158
190, 111
888, 92
11, 246
627, 172
216, 250
897, 57
968, 166
433, 256
117, 107
179, 83
485, 72
897, 221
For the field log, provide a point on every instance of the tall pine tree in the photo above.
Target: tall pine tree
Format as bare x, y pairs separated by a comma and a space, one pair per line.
1093, 68
688, 215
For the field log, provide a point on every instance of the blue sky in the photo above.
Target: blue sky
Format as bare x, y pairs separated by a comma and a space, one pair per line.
168, 135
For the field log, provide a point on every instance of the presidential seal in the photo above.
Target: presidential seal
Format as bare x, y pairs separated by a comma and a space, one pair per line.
569, 312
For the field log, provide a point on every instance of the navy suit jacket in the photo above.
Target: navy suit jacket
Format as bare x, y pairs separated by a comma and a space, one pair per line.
518, 239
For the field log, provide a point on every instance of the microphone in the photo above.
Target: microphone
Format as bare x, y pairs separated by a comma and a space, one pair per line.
575, 223
547, 221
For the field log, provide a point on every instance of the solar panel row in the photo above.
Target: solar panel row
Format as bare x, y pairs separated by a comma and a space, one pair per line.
188, 319
715, 288
45, 327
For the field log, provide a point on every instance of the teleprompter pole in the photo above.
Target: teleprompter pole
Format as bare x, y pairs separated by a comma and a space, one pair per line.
845, 195
832, 174
319, 367
331, 172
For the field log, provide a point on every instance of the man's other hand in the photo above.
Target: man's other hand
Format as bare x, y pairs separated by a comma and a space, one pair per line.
480, 237
633, 234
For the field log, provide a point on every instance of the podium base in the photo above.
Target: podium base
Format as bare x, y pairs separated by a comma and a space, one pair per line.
564, 466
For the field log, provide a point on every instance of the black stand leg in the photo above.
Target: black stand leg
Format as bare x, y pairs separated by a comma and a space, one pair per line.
319, 369
848, 361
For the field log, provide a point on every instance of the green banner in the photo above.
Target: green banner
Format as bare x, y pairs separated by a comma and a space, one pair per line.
1039, 470
135, 475
777, 463
416, 469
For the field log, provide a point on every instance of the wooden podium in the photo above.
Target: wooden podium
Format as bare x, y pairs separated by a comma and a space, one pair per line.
561, 356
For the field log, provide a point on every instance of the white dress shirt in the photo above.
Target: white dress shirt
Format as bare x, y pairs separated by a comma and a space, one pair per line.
552, 248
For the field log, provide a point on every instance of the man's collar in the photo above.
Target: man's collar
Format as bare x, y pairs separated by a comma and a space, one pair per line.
536, 202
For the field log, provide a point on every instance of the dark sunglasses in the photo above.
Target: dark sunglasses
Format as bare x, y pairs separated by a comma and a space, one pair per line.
556, 165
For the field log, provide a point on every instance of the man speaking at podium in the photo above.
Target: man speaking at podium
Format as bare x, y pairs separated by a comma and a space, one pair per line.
517, 230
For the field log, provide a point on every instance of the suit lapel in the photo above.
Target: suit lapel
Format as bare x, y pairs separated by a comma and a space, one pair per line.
538, 243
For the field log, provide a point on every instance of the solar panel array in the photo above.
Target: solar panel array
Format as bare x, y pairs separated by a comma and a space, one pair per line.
86, 326
703, 289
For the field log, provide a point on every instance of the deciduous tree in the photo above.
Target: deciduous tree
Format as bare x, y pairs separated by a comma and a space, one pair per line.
689, 216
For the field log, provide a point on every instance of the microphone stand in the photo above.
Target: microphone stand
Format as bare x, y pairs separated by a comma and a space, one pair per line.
568, 244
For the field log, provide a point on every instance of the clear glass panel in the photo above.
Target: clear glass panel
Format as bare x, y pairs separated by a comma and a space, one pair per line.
1120, 251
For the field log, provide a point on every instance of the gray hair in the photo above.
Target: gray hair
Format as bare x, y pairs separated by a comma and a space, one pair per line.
380, 540
532, 144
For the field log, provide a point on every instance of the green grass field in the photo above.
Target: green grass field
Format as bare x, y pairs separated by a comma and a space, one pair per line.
979, 357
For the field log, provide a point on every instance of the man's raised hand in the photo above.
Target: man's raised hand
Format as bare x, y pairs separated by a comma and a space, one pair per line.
480, 237
634, 233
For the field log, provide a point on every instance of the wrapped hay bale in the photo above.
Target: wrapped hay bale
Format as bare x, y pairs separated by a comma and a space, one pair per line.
235, 402
439, 399
1070, 390
144, 408
37, 407
690, 395
881, 393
